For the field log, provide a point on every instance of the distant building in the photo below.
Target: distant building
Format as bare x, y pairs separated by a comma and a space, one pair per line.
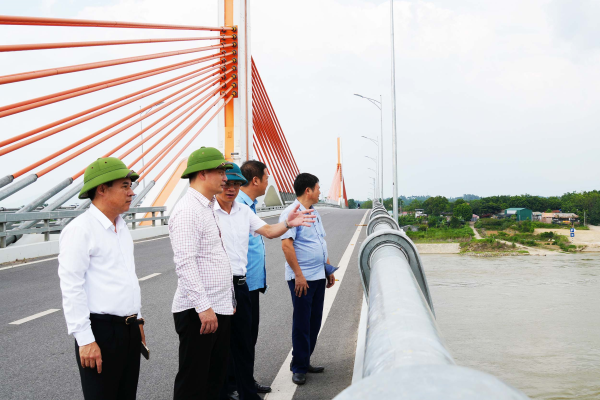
560, 218
474, 218
537, 216
522, 214
420, 212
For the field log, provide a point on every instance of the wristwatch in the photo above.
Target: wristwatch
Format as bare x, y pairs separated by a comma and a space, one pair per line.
141, 321
286, 224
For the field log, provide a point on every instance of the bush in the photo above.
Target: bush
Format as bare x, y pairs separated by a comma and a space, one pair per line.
547, 235
442, 234
454, 223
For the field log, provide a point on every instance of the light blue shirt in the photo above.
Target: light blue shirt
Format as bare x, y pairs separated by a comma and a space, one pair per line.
256, 273
309, 244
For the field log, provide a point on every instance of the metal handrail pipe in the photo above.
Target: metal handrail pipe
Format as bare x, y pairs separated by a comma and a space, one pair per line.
403, 346
378, 211
380, 222
6, 180
38, 201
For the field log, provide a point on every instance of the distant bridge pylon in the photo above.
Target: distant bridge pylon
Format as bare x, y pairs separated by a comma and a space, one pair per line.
337, 190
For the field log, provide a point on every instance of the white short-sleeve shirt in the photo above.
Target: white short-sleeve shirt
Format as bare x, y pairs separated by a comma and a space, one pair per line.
235, 228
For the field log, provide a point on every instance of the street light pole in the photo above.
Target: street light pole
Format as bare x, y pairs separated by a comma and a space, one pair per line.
142, 136
379, 182
376, 174
394, 144
378, 104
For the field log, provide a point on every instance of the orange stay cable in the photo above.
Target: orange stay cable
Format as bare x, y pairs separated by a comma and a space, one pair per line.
192, 139
24, 76
95, 143
199, 104
267, 146
274, 143
17, 20
181, 135
272, 140
81, 90
94, 134
68, 45
110, 153
272, 111
88, 114
261, 88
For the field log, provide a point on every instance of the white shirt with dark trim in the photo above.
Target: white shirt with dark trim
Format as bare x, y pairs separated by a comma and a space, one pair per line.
97, 272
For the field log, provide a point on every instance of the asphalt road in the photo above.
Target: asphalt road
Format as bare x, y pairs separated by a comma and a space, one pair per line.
37, 358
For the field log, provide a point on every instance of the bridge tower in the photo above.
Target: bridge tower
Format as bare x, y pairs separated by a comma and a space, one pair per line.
337, 190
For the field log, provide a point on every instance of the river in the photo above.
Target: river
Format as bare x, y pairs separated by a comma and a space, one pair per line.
533, 322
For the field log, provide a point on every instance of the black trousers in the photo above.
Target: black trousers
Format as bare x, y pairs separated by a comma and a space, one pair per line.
120, 348
255, 300
308, 313
241, 360
202, 358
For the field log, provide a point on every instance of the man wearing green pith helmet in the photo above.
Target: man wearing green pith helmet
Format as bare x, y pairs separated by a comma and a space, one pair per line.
204, 301
100, 289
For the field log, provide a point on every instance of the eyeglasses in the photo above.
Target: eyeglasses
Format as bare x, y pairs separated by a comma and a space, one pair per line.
236, 184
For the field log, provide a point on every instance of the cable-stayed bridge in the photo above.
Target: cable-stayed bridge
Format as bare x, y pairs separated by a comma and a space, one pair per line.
218, 82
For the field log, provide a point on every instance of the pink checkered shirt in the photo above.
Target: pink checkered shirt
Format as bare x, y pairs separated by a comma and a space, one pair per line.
202, 266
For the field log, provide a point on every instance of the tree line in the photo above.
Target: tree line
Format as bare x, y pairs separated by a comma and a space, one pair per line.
575, 202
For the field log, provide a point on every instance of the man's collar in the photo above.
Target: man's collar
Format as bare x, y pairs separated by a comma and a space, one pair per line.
234, 208
302, 208
201, 198
103, 219
246, 198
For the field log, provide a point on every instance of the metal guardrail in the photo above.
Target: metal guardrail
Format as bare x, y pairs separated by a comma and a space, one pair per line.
405, 356
50, 221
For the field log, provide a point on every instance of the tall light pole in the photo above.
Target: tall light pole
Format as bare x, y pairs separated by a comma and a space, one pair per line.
394, 144
376, 174
378, 104
379, 183
142, 135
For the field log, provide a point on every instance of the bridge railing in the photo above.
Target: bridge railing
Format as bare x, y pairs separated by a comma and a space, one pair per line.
52, 221
405, 356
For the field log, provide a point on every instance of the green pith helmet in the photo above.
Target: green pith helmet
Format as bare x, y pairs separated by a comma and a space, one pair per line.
235, 174
104, 170
205, 158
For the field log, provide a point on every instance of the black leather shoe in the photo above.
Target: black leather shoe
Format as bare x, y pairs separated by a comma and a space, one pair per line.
315, 370
299, 378
233, 395
262, 388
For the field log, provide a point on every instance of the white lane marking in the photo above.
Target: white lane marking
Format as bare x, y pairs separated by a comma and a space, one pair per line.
283, 387
55, 258
29, 263
359, 357
150, 240
149, 276
34, 316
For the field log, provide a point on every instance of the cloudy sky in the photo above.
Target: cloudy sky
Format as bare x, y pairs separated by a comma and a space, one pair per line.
492, 97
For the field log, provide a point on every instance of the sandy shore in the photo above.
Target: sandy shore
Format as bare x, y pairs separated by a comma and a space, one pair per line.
590, 238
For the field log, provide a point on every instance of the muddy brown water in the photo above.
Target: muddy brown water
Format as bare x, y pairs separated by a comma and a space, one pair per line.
533, 322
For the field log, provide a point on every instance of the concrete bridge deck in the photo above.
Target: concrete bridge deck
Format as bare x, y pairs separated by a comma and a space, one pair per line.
37, 357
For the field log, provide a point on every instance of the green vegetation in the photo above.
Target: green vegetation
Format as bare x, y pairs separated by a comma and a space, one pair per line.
490, 246
463, 211
441, 235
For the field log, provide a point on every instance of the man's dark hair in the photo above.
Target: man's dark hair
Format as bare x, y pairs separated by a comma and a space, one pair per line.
92, 192
253, 168
304, 181
191, 176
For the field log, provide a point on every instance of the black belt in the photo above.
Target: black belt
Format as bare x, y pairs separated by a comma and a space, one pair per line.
129, 320
239, 280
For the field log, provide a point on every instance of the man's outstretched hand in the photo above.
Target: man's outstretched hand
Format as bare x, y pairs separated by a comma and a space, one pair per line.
300, 218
